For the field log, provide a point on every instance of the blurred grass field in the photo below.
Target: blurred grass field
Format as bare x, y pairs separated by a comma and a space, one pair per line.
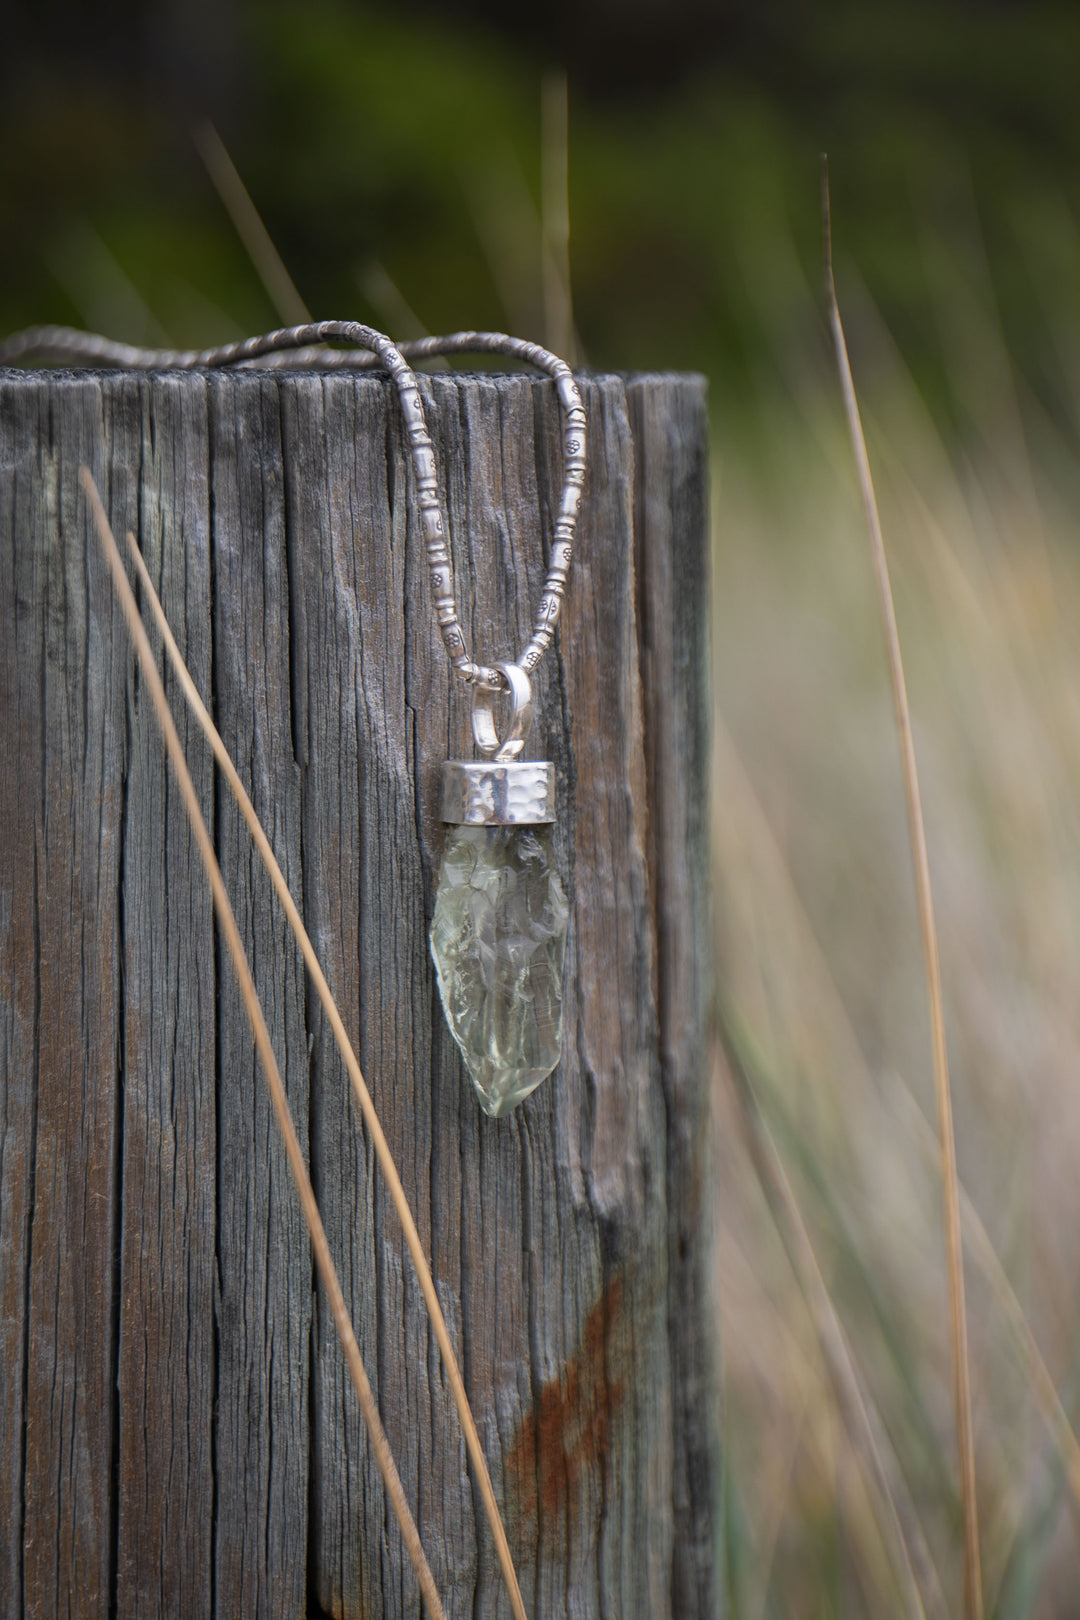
821, 1013
695, 242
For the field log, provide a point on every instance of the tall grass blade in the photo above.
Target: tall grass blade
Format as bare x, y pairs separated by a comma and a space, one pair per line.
980, 1246
510, 232
267, 261
393, 309
555, 219
99, 287
1040, 1381
973, 1603
800, 1249
359, 1085
227, 921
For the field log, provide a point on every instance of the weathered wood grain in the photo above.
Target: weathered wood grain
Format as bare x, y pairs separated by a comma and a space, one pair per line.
168, 1203
265, 1269
177, 1433
671, 509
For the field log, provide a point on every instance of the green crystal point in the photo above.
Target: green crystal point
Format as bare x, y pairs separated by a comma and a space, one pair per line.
498, 938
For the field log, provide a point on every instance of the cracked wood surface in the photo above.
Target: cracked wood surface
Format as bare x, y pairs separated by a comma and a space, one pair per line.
177, 1431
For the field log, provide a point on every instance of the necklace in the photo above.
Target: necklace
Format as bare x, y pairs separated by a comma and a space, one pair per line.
498, 934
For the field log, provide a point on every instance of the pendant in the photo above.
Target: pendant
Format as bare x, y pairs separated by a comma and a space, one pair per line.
498, 936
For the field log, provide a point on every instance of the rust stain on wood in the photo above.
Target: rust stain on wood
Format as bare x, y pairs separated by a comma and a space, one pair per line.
568, 1433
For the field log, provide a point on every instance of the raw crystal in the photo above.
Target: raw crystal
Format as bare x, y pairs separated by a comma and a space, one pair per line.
498, 938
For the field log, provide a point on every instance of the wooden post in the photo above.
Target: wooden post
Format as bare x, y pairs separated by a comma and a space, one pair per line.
177, 1432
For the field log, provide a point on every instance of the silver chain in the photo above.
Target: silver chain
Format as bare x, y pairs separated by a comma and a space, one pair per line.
296, 346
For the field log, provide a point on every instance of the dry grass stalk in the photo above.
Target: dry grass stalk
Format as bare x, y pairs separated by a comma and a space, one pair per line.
269, 266
227, 920
982, 1248
1041, 1383
555, 219
838, 1359
973, 1602
363, 1095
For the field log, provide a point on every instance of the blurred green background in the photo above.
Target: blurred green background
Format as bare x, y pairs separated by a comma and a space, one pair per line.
408, 166
403, 144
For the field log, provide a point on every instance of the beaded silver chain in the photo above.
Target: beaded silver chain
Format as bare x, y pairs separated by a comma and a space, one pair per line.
297, 346
499, 928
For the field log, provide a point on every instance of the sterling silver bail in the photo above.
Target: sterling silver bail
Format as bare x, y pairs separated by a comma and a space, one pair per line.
485, 732
500, 791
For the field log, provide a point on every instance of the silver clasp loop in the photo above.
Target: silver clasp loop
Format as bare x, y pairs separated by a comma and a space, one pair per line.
483, 720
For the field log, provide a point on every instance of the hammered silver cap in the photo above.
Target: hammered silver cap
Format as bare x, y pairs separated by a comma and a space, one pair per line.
487, 793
